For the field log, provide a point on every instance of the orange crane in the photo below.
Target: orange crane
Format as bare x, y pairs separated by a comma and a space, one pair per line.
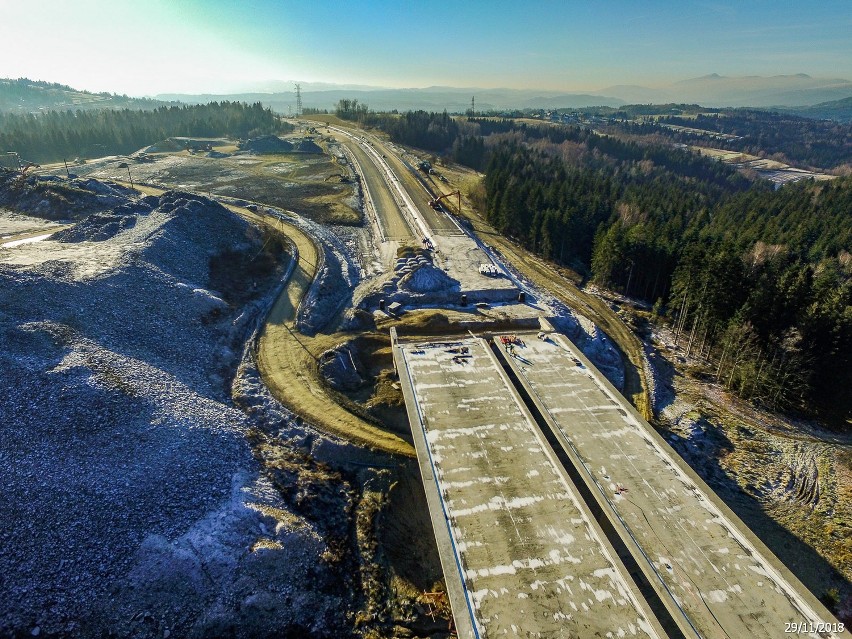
436, 203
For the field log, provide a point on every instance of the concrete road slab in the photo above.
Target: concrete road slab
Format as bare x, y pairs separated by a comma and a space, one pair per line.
531, 558
724, 583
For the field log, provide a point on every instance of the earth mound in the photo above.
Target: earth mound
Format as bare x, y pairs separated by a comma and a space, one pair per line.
56, 198
307, 146
266, 144
190, 220
121, 439
99, 227
342, 369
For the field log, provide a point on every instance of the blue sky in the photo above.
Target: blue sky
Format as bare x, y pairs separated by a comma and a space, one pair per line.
144, 47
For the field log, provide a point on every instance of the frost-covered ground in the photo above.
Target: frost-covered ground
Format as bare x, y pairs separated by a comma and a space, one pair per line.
787, 478
132, 504
13, 224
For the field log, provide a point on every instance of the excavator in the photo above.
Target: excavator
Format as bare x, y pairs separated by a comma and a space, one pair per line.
436, 203
23, 167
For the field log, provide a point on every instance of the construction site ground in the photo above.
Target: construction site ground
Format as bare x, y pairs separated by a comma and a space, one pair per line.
288, 359
726, 441
704, 424
560, 281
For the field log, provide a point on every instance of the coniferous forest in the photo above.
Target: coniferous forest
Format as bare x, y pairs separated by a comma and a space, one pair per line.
757, 281
56, 135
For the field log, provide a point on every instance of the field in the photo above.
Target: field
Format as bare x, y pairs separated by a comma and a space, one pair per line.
772, 170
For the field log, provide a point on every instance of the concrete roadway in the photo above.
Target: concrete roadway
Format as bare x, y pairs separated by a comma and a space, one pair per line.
707, 567
394, 225
439, 222
526, 556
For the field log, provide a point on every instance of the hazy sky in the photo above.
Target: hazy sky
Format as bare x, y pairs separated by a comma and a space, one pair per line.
144, 47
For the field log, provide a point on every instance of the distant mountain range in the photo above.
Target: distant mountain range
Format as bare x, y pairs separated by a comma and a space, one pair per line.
710, 90
800, 94
748, 91
430, 99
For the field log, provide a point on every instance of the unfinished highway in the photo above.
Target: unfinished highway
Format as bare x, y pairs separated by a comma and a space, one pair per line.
559, 512
403, 214
392, 223
521, 554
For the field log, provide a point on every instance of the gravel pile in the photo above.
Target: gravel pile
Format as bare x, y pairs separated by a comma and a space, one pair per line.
266, 144
132, 502
307, 146
98, 227
427, 278
55, 198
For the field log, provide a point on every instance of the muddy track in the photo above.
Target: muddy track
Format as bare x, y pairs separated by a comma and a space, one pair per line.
287, 360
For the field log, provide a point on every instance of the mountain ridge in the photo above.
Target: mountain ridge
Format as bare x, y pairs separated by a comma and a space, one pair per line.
712, 90
24, 95
798, 93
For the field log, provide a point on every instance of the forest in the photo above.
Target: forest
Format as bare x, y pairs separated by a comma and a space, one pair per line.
56, 135
806, 142
754, 280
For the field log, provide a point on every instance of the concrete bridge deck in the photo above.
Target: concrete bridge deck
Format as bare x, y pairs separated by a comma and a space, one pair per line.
708, 568
526, 556
526, 531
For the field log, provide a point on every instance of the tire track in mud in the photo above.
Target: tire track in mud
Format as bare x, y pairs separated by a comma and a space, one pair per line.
287, 362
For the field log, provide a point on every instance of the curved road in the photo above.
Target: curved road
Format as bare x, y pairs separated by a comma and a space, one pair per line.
285, 358
286, 361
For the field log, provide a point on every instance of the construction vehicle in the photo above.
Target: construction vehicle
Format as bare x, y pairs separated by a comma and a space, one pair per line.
436, 203
23, 167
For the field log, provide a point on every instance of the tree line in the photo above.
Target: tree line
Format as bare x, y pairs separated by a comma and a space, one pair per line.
755, 280
461, 140
54, 135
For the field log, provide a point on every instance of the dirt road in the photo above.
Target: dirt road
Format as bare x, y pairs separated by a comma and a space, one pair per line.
287, 360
